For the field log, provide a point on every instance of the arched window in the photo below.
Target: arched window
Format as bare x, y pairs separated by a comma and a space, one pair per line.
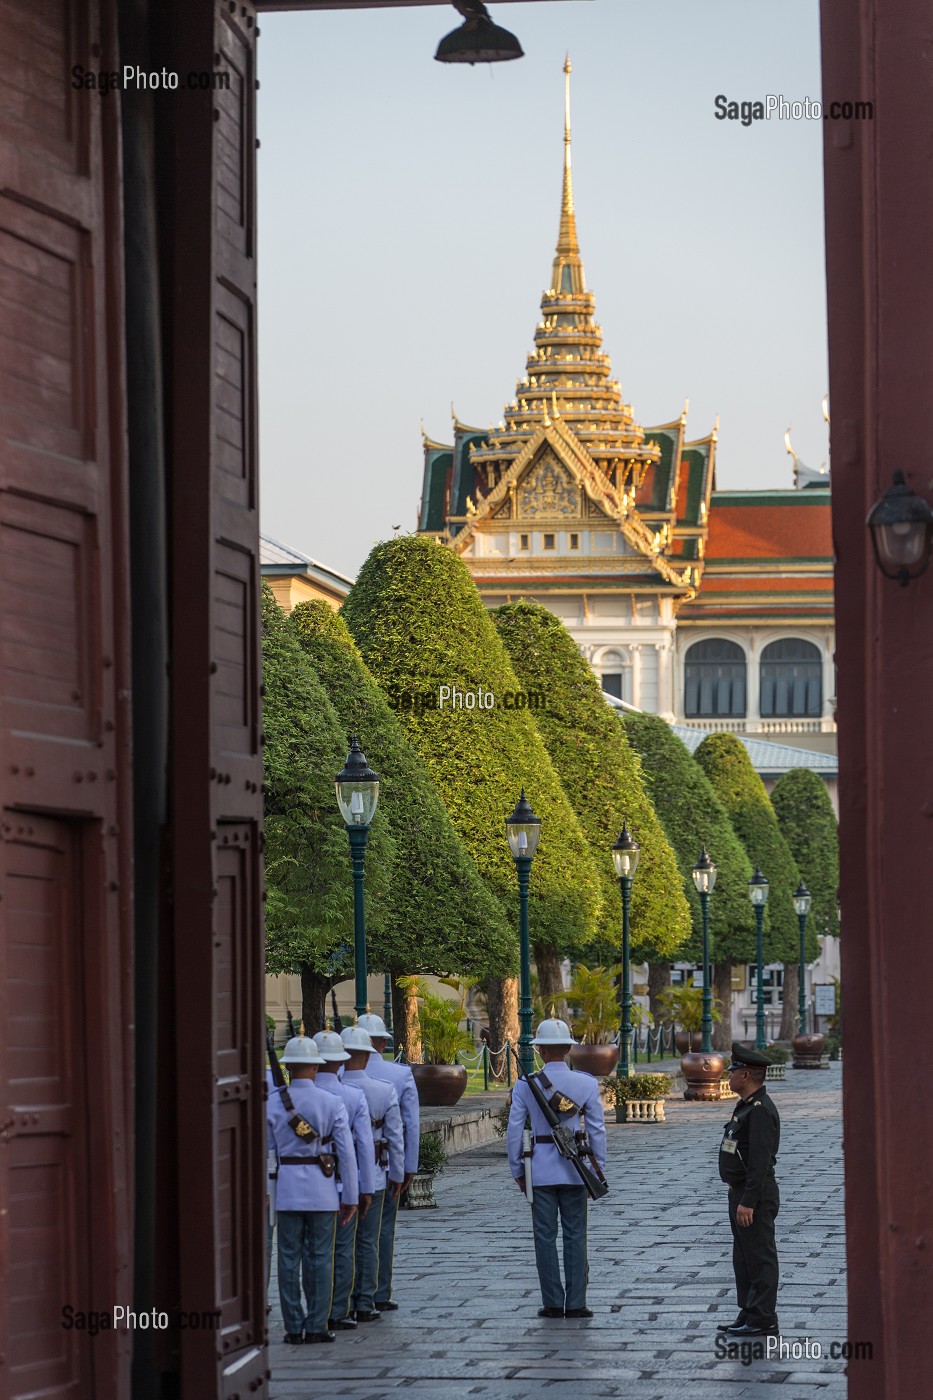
714, 680
791, 679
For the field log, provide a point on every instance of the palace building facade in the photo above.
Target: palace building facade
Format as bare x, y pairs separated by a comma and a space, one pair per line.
711, 608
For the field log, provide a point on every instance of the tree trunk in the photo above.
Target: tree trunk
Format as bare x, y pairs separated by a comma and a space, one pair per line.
659, 979
314, 989
550, 981
407, 1025
791, 993
502, 1001
722, 991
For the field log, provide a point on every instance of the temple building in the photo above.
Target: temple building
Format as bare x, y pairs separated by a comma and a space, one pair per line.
711, 608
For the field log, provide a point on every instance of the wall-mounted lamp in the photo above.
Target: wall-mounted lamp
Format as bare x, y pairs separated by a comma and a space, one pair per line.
901, 526
477, 40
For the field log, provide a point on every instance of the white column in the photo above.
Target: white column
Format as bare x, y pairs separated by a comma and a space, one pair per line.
635, 653
752, 685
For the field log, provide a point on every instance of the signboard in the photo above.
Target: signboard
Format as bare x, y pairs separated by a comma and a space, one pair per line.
824, 999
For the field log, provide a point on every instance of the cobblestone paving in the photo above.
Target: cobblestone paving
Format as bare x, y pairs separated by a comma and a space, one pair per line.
660, 1277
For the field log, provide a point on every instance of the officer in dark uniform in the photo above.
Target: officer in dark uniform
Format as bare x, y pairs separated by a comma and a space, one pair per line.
746, 1164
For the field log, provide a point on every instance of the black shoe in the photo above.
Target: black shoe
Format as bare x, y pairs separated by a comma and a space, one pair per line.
341, 1324
293, 1339
550, 1312
387, 1307
749, 1329
728, 1326
367, 1316
578, 1312
311, 1337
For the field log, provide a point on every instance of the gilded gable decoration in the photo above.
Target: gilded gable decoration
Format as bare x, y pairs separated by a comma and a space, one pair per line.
548, 491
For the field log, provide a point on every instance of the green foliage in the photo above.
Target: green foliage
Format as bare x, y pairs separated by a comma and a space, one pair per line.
601, 776
437, 914
637, 1086
594, 1001
431, 1155
726, 763
270, 1025
693, 816
419, 622
309, 905
808, 823
439, 1017
684, 1005
776, 1054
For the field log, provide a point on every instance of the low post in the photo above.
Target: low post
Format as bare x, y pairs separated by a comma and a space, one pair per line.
485, 1067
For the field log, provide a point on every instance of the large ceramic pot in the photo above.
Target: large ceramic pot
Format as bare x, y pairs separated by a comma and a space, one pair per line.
703, 1074
808, 1051
439, 1086
687, 1040
598, 1060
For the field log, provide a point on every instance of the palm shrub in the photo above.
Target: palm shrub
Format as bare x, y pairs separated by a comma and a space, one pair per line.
419, 623
442, 1038
594, 1003
601, 775
684, 1005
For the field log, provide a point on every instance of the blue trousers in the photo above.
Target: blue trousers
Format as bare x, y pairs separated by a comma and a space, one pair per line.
387, 1248
344, 1262
367, 1257
568, 1202
306, 1256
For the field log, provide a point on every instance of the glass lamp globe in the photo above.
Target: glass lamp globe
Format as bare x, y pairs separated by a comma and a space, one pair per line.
704, 873
523, 828
357, 788
625, 854
758, 889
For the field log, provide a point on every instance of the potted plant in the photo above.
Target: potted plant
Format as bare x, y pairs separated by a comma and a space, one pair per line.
703, 1072
594, 1003
431, 1159
640, 1098
684, 1005
440, 1080
810, 1050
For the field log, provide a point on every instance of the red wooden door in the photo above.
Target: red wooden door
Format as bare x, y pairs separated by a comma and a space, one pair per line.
65, 1157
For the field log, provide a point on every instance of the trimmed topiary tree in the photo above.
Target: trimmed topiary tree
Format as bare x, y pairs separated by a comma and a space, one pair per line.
309, 888
808, 823
437, 915
600, 774
693, 817
421, 626
726, 763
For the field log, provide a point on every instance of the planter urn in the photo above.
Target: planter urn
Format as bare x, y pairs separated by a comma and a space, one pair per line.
686, 1041
808, 1051
703, 1074
439, 1086
598, 1060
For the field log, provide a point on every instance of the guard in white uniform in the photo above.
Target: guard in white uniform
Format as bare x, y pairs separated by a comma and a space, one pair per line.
556, 1186
311, 1132
389, 1154
331, 1048
403, 1082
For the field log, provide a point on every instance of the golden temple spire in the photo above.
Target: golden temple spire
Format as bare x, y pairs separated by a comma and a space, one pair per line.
568, 268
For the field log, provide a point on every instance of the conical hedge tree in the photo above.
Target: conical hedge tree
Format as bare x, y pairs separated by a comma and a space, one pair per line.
437, 915
423, 631
309, 890
725, 761
600, 774
693, 817
808, 823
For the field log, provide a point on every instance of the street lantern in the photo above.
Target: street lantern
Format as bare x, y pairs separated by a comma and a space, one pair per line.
901, 526
758, 894
704, 878
523, 829
357, 797
802, 901
477, 40
625, 856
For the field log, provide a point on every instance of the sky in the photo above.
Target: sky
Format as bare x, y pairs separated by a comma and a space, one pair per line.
408, 212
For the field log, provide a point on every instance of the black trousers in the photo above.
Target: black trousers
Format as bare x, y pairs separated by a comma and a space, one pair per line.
754, 1257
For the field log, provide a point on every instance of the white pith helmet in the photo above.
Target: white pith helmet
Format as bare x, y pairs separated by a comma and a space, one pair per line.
553, 1033
355, 1038
331, 1047
301, 1050
318, 1038
374, 1024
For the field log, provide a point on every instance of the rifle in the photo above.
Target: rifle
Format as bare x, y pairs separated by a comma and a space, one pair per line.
528, 1147
300, 1126
569, 1144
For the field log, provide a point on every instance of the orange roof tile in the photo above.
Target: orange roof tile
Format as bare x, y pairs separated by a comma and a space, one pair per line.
769, 531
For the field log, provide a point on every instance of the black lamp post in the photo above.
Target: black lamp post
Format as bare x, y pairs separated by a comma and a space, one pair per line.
357, 797
523, 829
758, 894
625, 855
802, 906
704, 878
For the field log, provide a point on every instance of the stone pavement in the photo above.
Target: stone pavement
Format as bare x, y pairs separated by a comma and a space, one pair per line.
660, 1277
